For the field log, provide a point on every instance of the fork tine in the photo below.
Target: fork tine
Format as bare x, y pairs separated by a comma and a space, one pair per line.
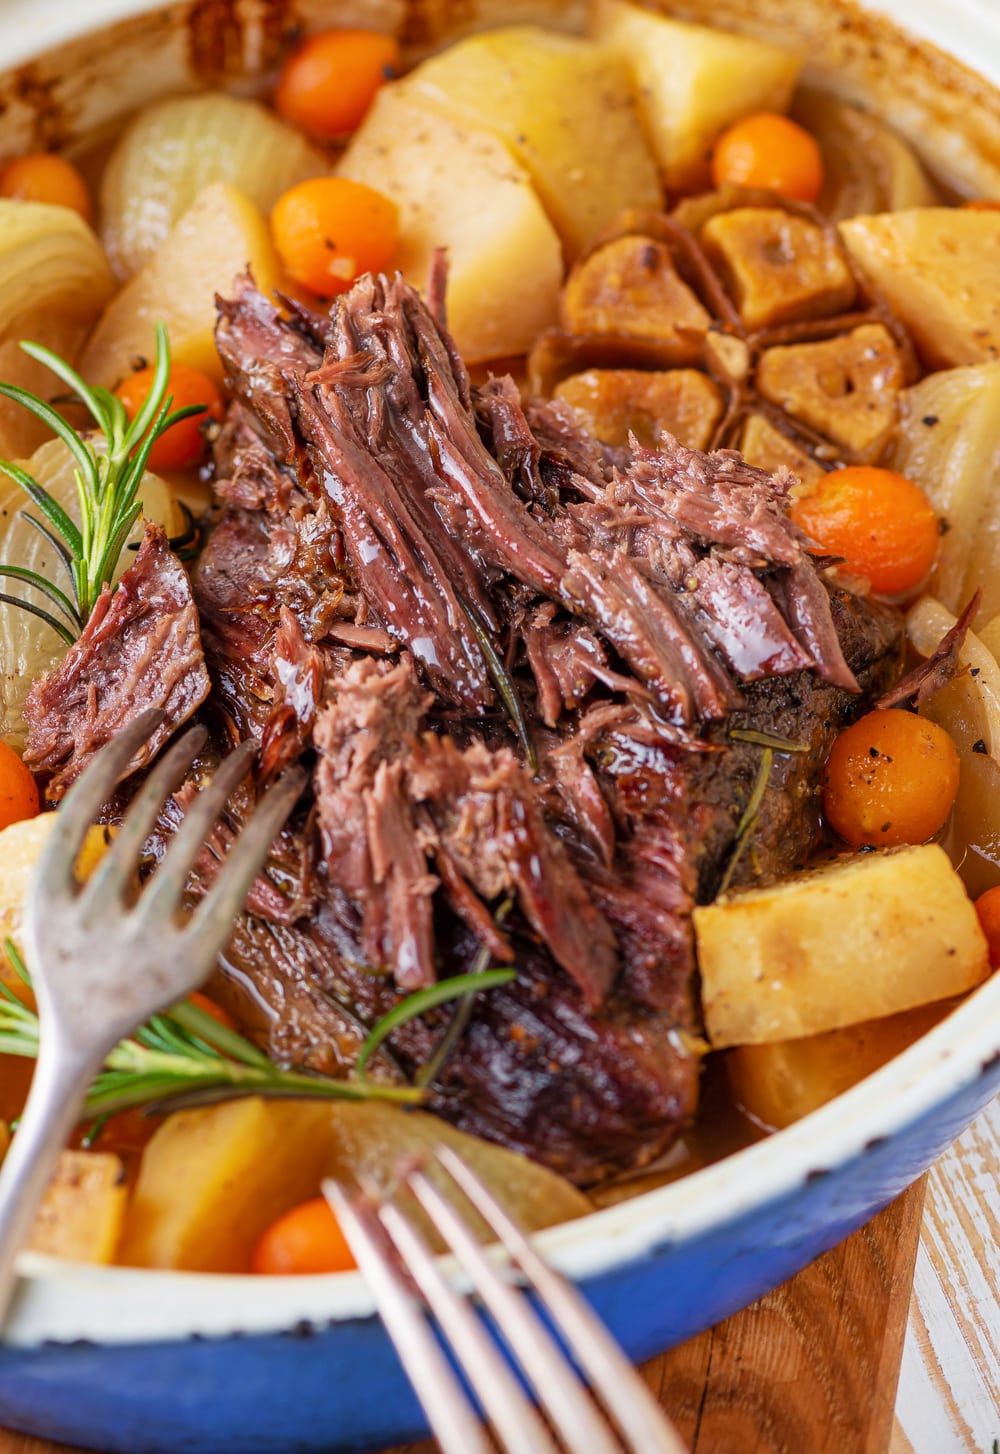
451, 1416
212, 921
550, 1373
620, 1388
489, 1375
111, 876
163, 894
86, 798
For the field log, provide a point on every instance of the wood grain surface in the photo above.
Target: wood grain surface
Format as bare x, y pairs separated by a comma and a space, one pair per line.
812, 1368
949, 1386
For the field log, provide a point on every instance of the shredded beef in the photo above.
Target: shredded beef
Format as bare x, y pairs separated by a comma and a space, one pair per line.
140, 648
520, 669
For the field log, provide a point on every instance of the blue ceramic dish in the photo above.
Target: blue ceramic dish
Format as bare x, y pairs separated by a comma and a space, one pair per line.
155, 1363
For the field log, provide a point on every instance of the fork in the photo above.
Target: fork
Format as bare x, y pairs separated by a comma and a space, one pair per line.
100, 965
405, 1278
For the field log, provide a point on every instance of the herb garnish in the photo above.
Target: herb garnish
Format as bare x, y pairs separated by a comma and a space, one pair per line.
748, 821
185, 1058
767, 739
107, 484
421, 1000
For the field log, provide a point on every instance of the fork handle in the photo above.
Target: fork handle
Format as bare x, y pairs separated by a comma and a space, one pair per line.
57, 1087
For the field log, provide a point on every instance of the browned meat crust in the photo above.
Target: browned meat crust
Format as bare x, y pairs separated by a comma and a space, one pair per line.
398, 555
140, 648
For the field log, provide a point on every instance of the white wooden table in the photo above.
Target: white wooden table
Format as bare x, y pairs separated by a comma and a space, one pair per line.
948, 1400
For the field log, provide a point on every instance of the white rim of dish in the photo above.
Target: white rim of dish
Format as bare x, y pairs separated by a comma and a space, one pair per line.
65, 1301
61, 1301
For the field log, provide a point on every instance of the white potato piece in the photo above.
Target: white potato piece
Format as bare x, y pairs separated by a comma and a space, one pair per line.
213, 1180
80, 1216
174, 149
219, 236
949, 445
937, 268
21, 845
858, 939
28, 645
564, 107
460, 189
54, 281
968, 708
779, 1083
692, 82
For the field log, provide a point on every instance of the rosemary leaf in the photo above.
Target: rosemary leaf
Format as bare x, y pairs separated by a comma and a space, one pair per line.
508, 692
108, 475
421, 1001
50, 508
42, 615
429, 1072
767, 739
55, 595
183, 1057
748, 820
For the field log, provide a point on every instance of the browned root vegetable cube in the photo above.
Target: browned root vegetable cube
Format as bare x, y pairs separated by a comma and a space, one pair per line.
779, 268
617, 402
767, 448
846, 387
81, 1213
631, 287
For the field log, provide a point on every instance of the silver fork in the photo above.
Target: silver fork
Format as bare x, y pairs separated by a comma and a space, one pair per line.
395, 1260
101, 966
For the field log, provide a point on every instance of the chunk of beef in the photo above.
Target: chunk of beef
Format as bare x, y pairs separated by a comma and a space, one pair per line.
394, 549
140, 648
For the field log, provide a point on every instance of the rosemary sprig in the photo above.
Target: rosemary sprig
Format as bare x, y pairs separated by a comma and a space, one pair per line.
748, 820
429, 1071
506, 689
421, 1001
107, 484
184, 1058
767, 739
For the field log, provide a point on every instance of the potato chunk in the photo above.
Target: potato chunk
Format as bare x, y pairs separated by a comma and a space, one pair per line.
21, 845
212, 1180
631, 287
617, 402
782, 1082
220, 235
859, 939
692, 82
460, 189
563, 107
937, 267
780, 268
846, 387
80, 1216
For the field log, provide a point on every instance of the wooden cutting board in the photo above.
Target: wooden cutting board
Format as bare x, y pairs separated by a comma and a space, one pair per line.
813, 1367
